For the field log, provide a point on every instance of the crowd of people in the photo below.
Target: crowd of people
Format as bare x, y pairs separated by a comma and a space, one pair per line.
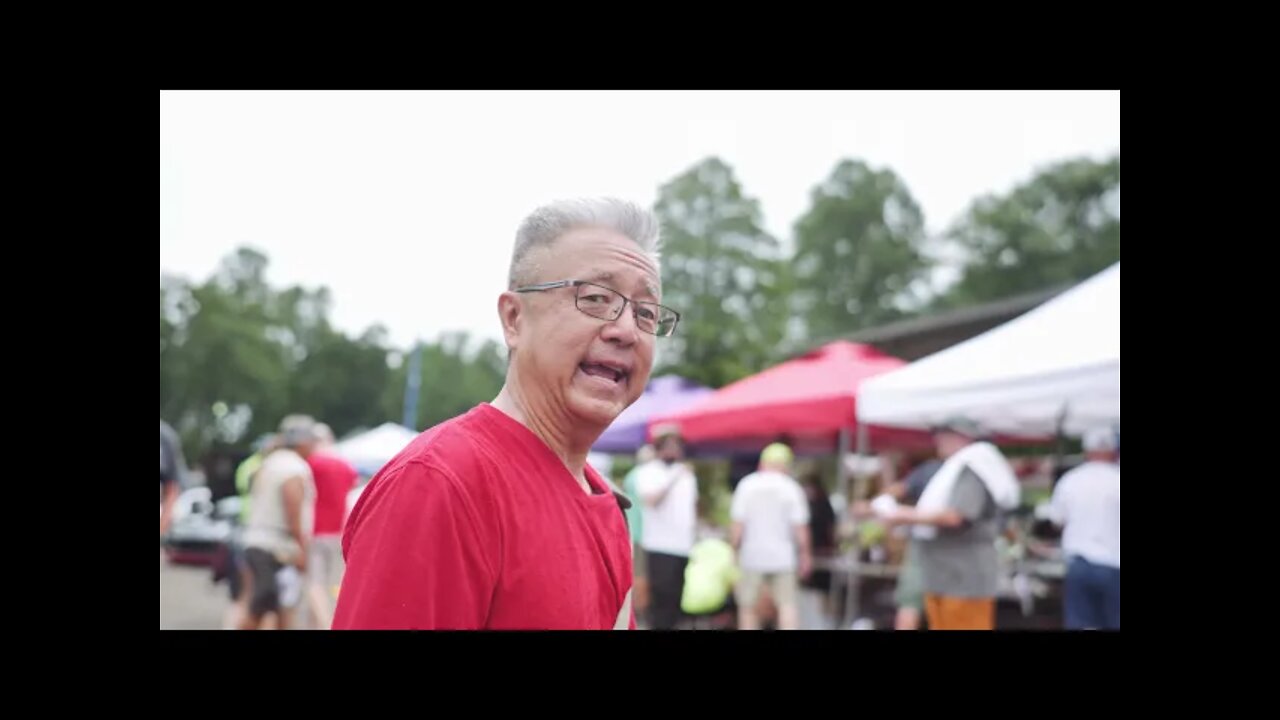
285, 554
495, 519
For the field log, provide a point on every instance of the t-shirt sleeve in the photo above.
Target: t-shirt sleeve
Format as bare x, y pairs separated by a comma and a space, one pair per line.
416, 556
349, 476
969, 497
651, 478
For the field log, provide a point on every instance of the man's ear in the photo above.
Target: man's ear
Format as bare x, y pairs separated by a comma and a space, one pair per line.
510, 314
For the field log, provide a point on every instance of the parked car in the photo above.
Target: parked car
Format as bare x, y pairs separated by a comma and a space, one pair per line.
201, 529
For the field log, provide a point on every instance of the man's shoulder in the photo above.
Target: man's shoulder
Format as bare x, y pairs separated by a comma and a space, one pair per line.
1089, 472
650, 469
328, 461
460, 448
752, 482
285, 462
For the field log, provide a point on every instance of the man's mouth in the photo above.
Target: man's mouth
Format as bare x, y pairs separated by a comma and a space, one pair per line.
608, 371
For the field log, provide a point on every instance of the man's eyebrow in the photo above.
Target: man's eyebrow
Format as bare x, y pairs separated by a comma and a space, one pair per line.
604, 276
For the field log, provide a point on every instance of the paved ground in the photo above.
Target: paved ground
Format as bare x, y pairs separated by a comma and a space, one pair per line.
188, 598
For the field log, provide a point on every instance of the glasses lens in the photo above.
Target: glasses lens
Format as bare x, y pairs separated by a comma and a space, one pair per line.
666, 325
599, 302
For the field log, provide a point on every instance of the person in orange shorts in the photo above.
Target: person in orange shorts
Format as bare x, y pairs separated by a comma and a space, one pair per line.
956, 550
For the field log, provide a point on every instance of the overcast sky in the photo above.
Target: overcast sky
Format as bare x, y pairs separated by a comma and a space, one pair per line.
405, 204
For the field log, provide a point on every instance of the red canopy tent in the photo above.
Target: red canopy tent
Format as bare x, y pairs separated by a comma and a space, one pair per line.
809, 398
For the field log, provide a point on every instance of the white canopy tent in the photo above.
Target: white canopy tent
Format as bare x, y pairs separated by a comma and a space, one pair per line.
1057, 363
369, 451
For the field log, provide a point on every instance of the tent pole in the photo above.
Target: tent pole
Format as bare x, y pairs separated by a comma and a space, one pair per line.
854, 581
864, 450
842, 472
1061, 442
842, 490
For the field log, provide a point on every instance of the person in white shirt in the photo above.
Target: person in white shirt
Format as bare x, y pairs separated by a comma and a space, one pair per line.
669, 496
1086, 504
281, 519
770, 531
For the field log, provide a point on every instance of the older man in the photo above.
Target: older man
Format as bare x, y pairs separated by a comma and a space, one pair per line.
956, 521
1086, 502
281, 519
494, 519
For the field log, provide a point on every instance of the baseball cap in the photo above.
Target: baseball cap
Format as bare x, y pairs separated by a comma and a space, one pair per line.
665, 430
960, 425
297, 429
777, 454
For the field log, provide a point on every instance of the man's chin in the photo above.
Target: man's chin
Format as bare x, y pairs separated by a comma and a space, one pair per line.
598, 411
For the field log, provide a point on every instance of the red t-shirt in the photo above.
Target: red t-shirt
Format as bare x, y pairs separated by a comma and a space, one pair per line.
478, 525
334, 478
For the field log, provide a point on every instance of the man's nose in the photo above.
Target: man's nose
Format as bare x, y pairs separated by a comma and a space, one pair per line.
624, 329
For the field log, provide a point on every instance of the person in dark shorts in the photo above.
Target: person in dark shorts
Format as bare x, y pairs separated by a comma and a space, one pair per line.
280, 521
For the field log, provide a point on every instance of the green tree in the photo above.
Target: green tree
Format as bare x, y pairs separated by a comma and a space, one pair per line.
341, 380
859, 251
455, 377
1058, 228
723, 273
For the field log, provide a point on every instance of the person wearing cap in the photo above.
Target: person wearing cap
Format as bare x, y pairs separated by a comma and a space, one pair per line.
955, 522
1086, 504
770, 531
669, 495
495, 519
278, 532
334, 477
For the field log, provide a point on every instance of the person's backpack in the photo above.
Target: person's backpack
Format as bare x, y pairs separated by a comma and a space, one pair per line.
709, 577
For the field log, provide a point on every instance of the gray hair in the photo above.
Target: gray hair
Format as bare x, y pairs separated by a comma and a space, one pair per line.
297, 430
549, 222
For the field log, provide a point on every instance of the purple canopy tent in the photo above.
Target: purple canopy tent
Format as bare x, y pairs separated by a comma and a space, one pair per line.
666, 394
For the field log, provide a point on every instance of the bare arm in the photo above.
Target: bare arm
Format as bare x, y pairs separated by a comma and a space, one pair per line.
735, 535
294, 495
802, 542
170, 501
945, 518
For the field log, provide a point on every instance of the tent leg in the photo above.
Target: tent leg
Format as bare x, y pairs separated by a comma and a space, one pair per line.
842, 473
854, 583
1060, 443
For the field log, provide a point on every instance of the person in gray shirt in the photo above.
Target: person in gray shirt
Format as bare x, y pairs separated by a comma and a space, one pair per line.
959, 565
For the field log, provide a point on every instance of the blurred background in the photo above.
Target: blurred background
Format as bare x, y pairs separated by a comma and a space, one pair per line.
339, 254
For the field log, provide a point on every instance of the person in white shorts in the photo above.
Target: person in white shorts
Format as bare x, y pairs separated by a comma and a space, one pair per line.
771, 534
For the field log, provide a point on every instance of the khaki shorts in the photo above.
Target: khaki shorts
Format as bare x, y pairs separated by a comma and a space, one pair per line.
639, 562
325, 565
782, 588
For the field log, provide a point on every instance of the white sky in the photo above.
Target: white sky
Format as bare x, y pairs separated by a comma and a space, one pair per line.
406, 204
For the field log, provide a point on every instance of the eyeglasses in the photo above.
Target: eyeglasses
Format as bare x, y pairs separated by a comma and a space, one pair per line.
605, 303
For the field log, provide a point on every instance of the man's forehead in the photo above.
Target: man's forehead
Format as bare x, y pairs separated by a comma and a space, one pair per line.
601, 255
612, 279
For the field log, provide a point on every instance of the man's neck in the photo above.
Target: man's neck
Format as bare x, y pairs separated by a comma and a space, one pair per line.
555, 435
